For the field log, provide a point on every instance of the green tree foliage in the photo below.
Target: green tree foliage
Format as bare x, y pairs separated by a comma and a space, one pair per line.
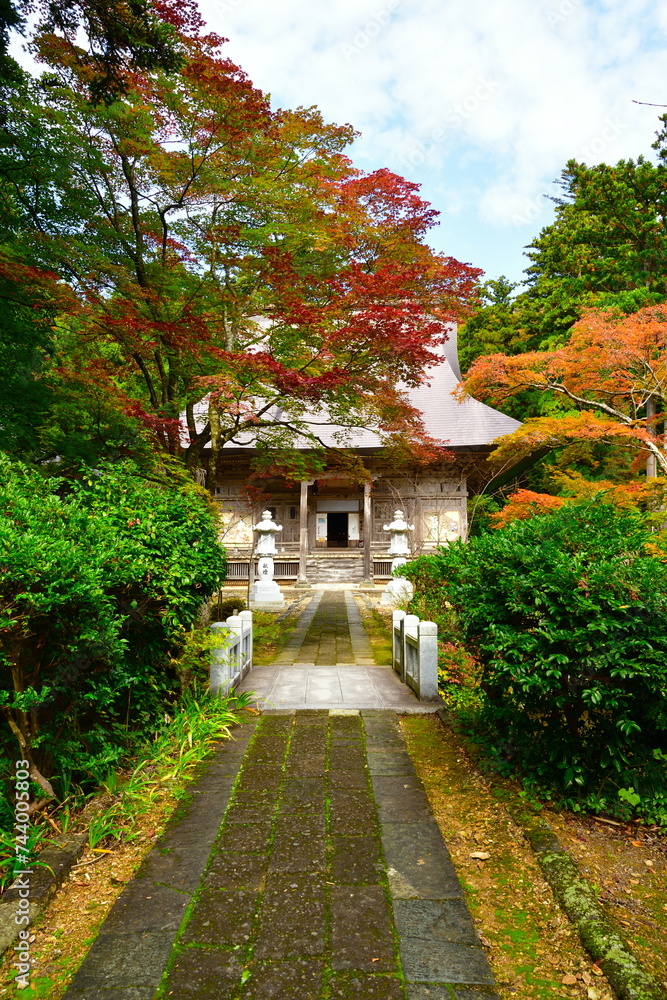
178, 214
99, 580
606, 248
120, 35
567, 615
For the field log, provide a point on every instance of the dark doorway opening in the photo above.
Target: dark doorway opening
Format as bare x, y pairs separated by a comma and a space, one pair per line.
336, 531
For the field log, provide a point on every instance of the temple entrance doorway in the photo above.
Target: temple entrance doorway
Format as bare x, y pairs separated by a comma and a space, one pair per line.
337, 530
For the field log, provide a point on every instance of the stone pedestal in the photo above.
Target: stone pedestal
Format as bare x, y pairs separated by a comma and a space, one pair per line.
398, 590
265, 594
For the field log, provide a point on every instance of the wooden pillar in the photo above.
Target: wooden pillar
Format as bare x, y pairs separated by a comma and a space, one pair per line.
368, 535
651, 461
302, 579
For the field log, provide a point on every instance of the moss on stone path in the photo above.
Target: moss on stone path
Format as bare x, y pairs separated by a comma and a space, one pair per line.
533, 950
294, 901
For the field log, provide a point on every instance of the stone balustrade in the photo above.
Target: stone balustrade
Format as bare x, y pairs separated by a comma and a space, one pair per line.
415, 654
231, 657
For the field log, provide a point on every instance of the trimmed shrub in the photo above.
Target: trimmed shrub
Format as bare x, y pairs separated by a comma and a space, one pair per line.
567, 615
100, 579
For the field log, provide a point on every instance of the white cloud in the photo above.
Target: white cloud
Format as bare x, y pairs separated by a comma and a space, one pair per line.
482, 101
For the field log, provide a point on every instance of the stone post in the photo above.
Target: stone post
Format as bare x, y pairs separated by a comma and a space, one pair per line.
219, 675
428, 661
397, 639
246, 617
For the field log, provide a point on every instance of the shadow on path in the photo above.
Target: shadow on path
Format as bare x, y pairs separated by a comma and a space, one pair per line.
307, 866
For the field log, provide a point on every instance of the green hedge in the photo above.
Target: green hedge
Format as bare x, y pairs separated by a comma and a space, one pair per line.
99, 580
567, 616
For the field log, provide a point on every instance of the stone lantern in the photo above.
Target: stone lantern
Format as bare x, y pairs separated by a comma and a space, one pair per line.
265, 594
398, 590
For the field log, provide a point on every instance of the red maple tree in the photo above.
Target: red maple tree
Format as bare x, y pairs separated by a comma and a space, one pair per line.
225, 251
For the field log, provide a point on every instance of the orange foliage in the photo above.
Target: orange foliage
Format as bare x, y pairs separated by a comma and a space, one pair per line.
610, 368
524, 504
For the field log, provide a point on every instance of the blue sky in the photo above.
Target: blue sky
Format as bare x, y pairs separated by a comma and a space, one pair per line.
480, 101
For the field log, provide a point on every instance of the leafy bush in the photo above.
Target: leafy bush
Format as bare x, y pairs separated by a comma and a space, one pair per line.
225, 607
100, 579
567, 615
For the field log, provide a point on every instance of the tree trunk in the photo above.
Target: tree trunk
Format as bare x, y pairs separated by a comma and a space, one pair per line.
216, 444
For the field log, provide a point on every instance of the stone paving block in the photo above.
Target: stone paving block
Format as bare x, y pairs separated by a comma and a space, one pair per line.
303, 795
222, 918
359, 986
179, 868
361, 929
298, 980
309, 739
249, 811
260, 778
123, 960
346, 724
200, 974
267, 759
312, 766
198, 826
231, 870
300, 828
298, 854
245, 837
144, 906
276, 724
400, 799
435, 920
356, 860
418, 863
384, 741
292, 918
255, 796
348, 779
448, 962
348, 758
389, 763
352, 812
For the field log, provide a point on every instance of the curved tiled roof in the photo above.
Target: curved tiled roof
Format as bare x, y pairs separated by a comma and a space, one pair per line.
457, 424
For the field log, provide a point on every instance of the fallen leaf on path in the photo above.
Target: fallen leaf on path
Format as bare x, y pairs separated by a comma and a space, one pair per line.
480, 855
569, 980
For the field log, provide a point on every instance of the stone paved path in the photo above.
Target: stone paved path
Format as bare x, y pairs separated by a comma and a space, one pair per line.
328, 663
307, 866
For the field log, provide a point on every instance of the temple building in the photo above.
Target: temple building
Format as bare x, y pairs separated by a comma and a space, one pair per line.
333, 528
